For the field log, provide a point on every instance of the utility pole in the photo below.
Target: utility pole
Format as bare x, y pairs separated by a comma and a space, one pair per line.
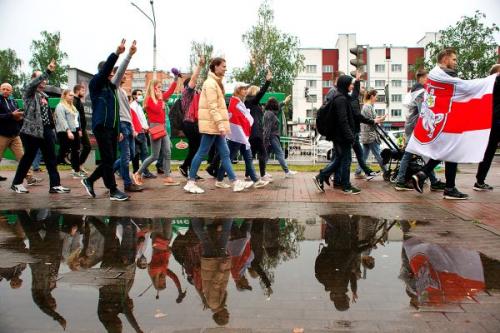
153, 22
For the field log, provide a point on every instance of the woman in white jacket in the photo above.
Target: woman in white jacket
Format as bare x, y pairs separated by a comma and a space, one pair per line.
67, 121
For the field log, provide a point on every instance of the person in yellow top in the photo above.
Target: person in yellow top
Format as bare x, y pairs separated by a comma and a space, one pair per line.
213, 122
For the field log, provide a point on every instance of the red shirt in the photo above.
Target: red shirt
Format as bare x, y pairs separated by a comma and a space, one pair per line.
156, 111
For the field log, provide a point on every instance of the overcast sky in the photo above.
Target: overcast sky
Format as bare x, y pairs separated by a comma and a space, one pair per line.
91, 29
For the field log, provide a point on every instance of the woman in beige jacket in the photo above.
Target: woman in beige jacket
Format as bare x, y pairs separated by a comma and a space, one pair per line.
213, 122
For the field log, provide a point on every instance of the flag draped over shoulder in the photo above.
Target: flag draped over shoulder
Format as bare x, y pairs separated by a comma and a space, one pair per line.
455, 119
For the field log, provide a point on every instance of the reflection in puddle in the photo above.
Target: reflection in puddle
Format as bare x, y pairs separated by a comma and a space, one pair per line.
140, 274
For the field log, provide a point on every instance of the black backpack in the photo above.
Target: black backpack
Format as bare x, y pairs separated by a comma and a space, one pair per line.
324, 119
176, 116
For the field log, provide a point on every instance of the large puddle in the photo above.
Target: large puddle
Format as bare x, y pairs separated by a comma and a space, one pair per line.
97, 274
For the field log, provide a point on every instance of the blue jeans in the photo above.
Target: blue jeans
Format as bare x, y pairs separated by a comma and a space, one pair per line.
278, 152
374, 148
358, 151
403, 167
37, 160
207, 141
127, 148
341, 165
160, 146
234, 147
213, 243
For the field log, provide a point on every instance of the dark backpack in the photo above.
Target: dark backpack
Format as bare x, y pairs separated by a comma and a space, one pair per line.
324, 119
176, 116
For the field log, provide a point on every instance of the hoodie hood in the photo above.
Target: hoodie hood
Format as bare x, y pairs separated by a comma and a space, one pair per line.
343, 84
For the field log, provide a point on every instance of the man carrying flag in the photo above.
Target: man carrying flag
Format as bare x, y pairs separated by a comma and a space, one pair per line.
454, 123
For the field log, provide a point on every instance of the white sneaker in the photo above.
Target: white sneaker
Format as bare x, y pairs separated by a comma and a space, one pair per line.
290, 174
19, 188
268, 178
191, 187
239, 185
248, 184
222, 185
260, 183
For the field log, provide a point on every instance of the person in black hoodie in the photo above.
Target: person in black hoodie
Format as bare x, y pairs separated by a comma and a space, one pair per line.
257, 136
484, 166
79, 91
343, 137
358, 119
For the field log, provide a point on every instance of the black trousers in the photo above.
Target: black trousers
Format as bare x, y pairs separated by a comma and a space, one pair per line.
86, 147
193, 134
450, 171
107, 140
259, 150
484, 166
69, 146
47, 147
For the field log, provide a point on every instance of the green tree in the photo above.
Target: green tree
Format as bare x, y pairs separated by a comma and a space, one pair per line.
201, 49
46, 49
475, 45
10, 70
273, 49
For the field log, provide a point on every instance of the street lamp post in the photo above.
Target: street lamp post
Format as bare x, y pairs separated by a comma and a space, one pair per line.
153, 22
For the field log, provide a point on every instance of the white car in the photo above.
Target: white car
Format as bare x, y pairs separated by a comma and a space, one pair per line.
324, 148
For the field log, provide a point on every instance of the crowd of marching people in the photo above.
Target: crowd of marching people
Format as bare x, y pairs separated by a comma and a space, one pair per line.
214, 129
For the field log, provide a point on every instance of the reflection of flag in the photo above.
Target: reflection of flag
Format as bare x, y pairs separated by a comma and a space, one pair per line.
455, 119
444, 274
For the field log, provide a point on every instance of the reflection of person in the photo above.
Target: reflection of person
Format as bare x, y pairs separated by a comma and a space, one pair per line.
215, 265
435, 274
13, 275
119, 253
48, 251
335, 266
161, 235
240, 250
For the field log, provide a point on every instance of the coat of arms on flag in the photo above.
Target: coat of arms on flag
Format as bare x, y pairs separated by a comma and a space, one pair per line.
455, 118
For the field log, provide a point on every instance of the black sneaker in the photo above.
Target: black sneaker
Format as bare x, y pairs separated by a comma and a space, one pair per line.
327, 181
59, 189
438, 186
160, 171
455, 194
482, 187
118, 195
211, 172
183, 171
402, 187
133, 188
149, 175
319, 183
351, 190
89, 187
418, 180
2, 178
199, 178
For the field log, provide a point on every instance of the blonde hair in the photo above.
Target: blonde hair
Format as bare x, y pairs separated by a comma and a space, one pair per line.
237, 92
150, 91
67, 106
253, 90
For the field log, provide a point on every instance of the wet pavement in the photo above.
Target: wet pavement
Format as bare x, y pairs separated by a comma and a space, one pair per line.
320, 273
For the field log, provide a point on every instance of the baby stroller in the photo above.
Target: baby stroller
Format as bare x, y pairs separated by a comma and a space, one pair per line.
392, 157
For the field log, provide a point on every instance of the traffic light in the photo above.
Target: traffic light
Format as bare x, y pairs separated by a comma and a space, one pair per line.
358, 62
306, 92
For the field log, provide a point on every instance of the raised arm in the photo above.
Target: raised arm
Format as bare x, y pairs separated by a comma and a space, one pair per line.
196, 73
120, 72
30, 89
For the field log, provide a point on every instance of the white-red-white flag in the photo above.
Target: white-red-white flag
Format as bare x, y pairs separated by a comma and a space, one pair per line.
455, 119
